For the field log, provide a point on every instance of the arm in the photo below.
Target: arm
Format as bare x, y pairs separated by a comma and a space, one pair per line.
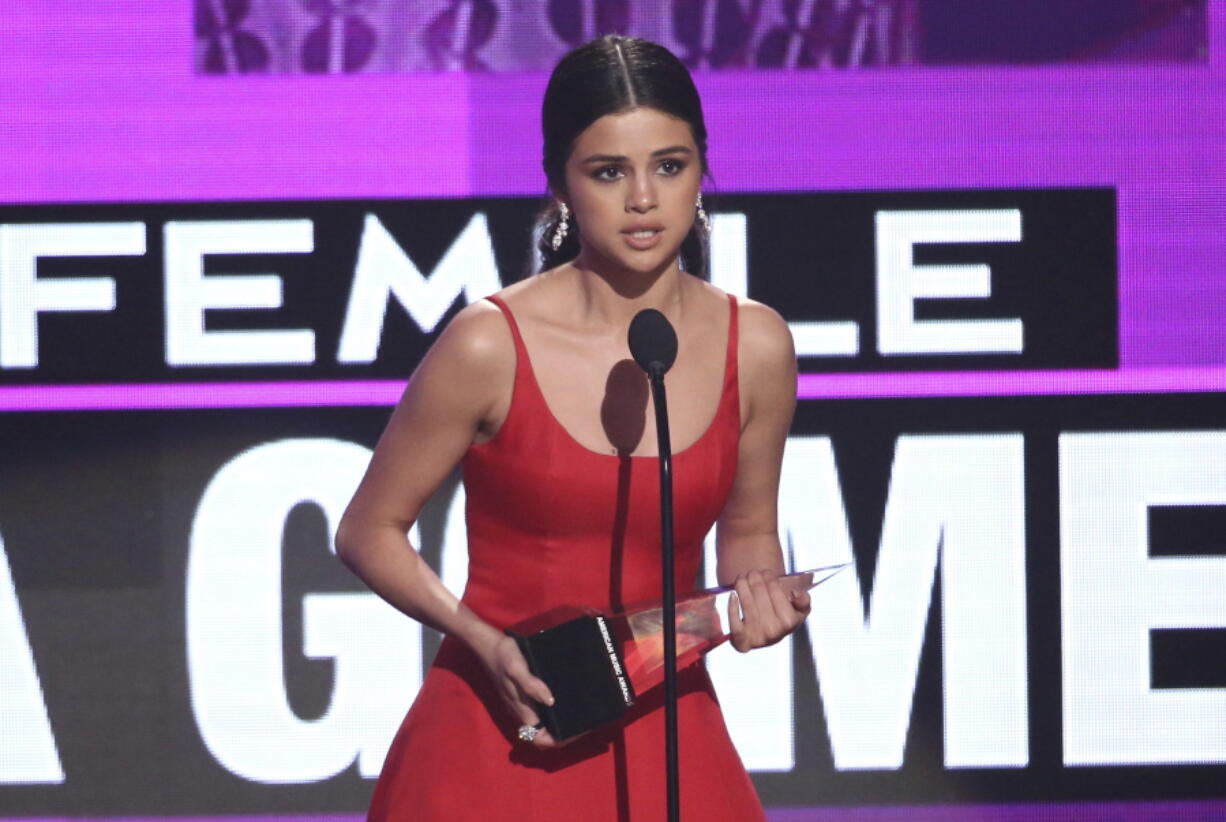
452, 400
747, 540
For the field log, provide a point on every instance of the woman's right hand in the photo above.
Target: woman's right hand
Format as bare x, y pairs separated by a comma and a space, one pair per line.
517, 686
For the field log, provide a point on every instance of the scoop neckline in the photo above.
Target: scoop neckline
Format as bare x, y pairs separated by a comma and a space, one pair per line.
521, 351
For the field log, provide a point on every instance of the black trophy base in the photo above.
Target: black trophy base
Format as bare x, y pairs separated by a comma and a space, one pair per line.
579, 661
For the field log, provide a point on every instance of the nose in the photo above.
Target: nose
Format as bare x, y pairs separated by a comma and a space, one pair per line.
641, 196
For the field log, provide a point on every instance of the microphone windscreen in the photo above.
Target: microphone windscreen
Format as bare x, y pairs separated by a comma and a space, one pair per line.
653, 342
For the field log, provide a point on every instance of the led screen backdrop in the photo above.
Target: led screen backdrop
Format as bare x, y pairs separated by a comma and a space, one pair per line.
228, 231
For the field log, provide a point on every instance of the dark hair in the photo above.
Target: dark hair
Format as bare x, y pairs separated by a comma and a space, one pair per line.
606, 76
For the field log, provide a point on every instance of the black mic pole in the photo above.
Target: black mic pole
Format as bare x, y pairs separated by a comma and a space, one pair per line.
670, 592
653, 343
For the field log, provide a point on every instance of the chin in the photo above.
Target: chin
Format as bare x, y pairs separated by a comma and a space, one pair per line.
644, 268
644, 262
648, 265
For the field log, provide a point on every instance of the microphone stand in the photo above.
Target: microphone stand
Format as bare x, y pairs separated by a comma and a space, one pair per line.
656, 375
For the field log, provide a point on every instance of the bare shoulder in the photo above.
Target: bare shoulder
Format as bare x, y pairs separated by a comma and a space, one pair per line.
765, 339
767, 361
479, 340
467, 376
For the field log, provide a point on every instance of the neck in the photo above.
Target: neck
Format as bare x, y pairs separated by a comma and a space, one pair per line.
616, 298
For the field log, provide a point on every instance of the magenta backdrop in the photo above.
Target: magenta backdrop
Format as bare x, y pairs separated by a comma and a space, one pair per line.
103, 106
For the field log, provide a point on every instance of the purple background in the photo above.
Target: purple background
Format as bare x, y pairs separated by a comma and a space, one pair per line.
322, 394
103, 105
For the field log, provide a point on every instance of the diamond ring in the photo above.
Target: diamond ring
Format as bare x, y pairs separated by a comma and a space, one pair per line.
527, 733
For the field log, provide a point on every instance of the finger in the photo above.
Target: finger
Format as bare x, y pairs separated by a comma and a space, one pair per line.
520, 703
745, 594
801, 602
541, 739
764, 585
734, 613
530, 687
545, 740
528, 684
527, 716
518, 708
775, 615
537, 689
522, 708
781, 606
740, 640
762, 579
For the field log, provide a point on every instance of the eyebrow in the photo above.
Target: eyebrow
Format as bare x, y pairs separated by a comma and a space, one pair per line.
614, 158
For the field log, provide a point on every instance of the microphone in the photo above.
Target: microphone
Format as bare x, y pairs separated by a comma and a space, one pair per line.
653, 342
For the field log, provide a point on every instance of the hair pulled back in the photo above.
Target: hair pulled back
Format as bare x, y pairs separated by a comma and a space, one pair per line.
610, 75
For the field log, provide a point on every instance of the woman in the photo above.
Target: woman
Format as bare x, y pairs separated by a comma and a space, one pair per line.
533, 393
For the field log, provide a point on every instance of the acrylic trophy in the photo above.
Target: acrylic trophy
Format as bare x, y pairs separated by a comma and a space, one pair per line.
597, 665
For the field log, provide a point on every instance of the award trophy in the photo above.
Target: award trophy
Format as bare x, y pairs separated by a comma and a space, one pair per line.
596, 665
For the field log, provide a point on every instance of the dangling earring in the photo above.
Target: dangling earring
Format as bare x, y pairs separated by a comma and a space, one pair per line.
559, 231
703, 219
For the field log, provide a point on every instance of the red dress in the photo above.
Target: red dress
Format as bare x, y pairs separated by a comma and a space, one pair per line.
551, 522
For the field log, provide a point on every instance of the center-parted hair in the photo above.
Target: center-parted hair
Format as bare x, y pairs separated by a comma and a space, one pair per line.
607, 76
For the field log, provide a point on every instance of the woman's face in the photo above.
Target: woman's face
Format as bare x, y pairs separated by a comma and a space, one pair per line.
632, 181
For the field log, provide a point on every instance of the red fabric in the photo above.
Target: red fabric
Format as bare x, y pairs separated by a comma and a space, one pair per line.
553, 523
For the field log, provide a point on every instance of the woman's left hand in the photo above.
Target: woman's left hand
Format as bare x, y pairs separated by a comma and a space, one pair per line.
769, 613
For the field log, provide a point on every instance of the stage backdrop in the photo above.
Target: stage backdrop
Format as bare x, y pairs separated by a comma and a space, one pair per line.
230, 228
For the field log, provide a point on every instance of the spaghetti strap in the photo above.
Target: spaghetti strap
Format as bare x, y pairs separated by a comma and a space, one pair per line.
523, 385
730, 361
520, 349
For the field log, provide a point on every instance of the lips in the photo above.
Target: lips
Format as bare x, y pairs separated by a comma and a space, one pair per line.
643, 236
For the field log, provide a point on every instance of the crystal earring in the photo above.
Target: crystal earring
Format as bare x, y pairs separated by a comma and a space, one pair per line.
703, 219
559, 231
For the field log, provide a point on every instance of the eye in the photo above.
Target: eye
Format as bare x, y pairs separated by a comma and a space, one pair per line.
607, 173
671, 167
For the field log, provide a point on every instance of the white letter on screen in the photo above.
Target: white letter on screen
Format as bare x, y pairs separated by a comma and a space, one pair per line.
453, 552
384, 270
959, 497
189, 293
729, 253
23, 295
28, 754
1113, 594
900, 282
234, 625
756, 694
